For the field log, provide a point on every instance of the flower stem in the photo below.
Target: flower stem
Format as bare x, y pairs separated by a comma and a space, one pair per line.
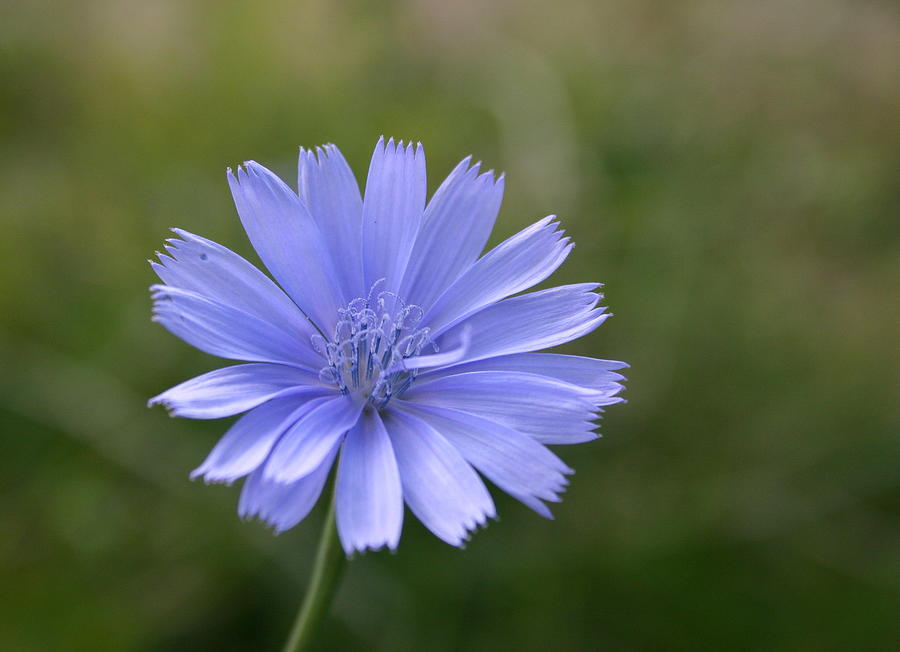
326, 572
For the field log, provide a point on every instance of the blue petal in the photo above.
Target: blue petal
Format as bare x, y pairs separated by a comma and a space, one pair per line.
232, 390
392, 211
531, 322
217, 273
456, 226
288, 241
247, 443
303, 447
514, 462
592, 373
440, 487
547, 409
517, 264
228, 332
369, 495
331, 193
284, 505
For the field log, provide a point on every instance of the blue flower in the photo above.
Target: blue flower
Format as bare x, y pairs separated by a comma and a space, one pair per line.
391, 347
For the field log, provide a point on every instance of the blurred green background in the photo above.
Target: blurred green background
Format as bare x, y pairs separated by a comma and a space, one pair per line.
728, 169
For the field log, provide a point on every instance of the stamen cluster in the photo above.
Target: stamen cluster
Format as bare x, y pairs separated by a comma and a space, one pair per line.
371, 340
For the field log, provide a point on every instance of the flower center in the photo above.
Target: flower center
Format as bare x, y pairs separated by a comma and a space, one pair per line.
370, 341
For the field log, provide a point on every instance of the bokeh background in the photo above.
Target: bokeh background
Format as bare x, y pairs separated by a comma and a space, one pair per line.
728, 169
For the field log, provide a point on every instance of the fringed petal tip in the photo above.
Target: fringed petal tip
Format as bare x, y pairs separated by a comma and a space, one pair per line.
241, 171
474, 172
153, 402
475, 523
208, 476
352, 551
266, 522
497, 179
416, 149
489, 176
319, 154
258, 512
170, 408
471, 527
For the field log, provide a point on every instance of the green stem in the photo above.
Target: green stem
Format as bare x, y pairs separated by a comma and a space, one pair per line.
326, 572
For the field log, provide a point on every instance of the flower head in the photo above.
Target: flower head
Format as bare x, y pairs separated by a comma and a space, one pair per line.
391, 346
